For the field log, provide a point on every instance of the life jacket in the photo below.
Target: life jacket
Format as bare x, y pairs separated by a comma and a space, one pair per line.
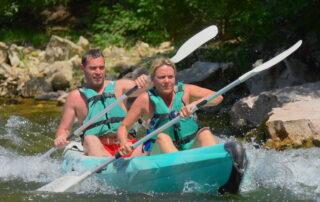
182, 132
108, 123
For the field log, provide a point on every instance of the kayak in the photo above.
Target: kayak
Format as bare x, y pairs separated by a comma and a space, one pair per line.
213, 169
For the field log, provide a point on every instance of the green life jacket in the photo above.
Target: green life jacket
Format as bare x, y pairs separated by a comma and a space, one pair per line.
182, 133
108, 123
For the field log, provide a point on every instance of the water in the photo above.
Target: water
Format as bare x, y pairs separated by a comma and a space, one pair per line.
271, 176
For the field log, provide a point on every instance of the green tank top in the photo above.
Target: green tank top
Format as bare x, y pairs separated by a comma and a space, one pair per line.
108, 123
183, 132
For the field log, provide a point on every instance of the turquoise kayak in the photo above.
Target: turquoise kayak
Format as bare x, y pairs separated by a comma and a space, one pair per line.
213, 169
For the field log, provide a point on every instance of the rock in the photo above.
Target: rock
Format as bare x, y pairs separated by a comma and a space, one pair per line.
83, 43
13, 54
59, 82
50, 95
62, 98
296, 124
199, 71
3, 53
250, 111
35, 87
61, 49
60, 67
143, 49
165, 47
290, 72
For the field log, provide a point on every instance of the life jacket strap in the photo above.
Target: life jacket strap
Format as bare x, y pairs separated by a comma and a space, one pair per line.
99, 97
107, 121
185, 140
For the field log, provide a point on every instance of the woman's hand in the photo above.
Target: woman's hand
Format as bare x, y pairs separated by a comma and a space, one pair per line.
186, 111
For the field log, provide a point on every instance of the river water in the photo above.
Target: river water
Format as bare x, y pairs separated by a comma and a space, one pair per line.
27, 131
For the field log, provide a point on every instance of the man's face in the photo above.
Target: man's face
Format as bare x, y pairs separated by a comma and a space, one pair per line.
94, 72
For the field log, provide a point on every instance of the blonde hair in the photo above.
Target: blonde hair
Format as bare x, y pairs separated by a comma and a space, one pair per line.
158, 62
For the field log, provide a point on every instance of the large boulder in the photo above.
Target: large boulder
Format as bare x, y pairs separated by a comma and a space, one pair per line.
251, 111
35, 87
295, 124
200, 71
290, 72
61, 49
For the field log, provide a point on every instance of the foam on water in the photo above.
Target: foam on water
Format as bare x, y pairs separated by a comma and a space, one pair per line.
28, 168
294, 170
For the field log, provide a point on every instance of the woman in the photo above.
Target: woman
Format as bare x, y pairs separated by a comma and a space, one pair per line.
161, 104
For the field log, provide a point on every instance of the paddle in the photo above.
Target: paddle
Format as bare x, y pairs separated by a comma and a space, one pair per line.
188, 47
64, 183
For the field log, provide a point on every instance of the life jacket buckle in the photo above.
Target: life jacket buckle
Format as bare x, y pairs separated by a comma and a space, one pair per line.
172, 115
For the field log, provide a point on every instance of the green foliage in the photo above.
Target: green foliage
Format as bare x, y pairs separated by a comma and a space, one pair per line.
126, 22
24, 37
255, 25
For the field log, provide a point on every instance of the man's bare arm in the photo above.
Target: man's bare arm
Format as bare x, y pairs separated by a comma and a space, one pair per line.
66, 122
142, 82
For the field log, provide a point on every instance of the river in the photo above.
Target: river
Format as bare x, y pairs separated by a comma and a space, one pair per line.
27, 130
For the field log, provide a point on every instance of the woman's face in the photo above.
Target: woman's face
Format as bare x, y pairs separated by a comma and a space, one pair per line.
164, 79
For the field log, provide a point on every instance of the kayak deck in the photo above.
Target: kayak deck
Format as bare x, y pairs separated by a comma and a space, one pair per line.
205, 170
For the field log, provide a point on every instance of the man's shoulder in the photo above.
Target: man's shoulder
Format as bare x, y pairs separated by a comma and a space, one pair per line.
74, 94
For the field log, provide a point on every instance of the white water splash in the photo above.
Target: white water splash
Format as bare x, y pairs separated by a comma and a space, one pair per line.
295, 170
12, 124
28, 168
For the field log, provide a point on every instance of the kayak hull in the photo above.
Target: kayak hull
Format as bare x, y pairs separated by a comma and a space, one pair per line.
205, 170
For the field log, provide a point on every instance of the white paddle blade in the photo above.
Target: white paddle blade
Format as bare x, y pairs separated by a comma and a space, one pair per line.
271, 62
195, 42
63, 183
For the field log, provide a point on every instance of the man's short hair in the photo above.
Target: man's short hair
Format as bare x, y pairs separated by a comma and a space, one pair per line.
95, 53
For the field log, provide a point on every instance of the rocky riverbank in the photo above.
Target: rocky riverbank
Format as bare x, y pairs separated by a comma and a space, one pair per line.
280, 112
47, 74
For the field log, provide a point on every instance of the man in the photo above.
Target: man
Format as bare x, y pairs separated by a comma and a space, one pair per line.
160, 104
99, 139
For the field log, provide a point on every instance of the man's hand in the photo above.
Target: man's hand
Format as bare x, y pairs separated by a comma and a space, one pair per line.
143, 82
61, 141
125, 149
